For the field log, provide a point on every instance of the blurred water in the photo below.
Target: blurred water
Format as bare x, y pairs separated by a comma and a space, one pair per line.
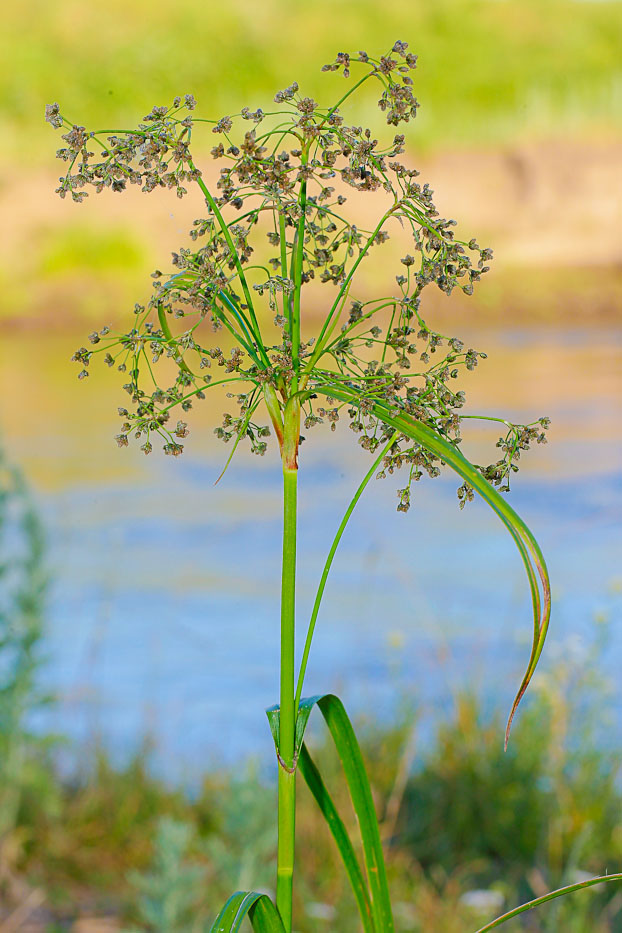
164, 609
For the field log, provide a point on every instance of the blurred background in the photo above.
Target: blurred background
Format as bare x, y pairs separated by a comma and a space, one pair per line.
139, 605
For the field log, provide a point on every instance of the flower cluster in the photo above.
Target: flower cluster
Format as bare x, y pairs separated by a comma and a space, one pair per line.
274, 229
155, 155
397, 100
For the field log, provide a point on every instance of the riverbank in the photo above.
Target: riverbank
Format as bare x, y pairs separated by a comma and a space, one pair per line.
552, 212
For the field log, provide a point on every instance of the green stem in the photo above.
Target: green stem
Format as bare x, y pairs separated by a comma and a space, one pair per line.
297, 262
286, 846
578, 886
234, 254
328, 325
286, 757
168, 336
286, 298
345, 97
274, 410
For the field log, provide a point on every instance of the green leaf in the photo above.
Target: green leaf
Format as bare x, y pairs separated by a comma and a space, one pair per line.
183, 280
375, 898
304, 711
527, 545
239, 436
260, 910
339, 832
548, 897
353, 765
329, 560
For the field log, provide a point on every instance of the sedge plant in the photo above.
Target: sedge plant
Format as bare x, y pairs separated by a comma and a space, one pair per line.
274, 267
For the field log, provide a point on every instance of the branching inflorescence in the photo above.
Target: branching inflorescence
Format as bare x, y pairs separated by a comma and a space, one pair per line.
280, 197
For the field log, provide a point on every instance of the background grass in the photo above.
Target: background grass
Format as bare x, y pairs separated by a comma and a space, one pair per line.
489, 70
507, 76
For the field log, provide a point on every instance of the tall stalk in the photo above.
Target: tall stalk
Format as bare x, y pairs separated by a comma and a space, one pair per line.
286, 755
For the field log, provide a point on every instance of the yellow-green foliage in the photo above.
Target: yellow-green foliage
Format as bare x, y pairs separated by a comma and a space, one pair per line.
84, 250
488, 70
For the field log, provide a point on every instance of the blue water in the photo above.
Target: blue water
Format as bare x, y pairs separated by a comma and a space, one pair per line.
164, 616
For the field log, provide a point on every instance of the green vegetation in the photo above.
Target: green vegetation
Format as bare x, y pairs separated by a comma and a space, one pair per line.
490, 74
82, 250
120, 843
22, 593
490, 71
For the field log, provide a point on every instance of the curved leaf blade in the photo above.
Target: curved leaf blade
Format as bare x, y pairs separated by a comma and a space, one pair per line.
349, 752
260, 910
239, 436
560, 892
351, 758
339, 833
322, 797
527, 545
329, 561
305, 708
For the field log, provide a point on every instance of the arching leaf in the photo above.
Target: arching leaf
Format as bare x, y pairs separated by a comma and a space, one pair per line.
527, 545
339, 833
260, 910
570, 889
376, 901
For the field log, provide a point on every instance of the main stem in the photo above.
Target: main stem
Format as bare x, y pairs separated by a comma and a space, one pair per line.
286, 758
288, 708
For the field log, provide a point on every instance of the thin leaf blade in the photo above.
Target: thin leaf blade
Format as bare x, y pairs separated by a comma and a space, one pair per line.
351, 758
260, 910
327, 807
339, 833
560, 892
527, 545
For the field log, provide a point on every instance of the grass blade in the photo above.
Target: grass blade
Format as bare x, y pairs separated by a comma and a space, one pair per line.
349, 752
260, 910
339, 833
569, 889
329, 560
245, 339
234, 253
527, 545
238, 438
